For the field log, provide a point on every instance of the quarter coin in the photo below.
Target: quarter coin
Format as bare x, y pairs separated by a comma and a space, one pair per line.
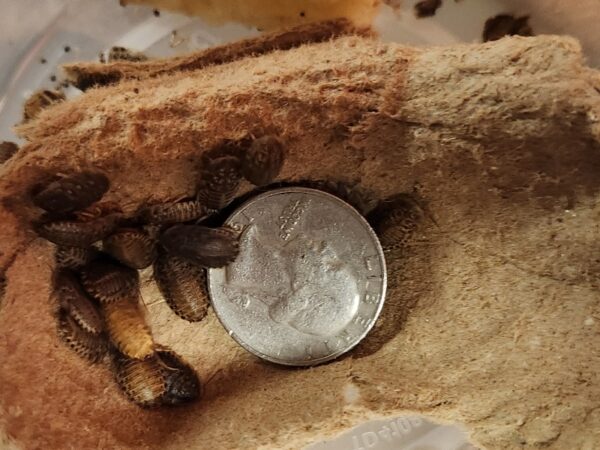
309, 281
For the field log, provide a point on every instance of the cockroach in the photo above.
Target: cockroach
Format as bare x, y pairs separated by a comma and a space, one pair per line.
97, 210
92, 347
74, 257
506, 25
208, 247
183, 286
395, 220
71, 233
133, 247
219, 181
72, 299
39, 101
142, 381
72, 193
127, 328
360, 198
234, 148
178, 212
183, 385
7, 150
427, 8
263, 160
108, 281
125, 54
162, 379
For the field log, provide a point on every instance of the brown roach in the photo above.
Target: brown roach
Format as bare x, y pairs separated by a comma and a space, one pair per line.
125, 54
506, 25
127, 328
39, 101
109, 282
72, 193
208, 247
183, 385
133, 247
219, 181
74, 257
171, 213
183, 285
263, 160
71, 233
97, 210
360, 198
72, 299
228, 147
396, 220
427, 8
143, 382
92, 347
162, 379
7, 150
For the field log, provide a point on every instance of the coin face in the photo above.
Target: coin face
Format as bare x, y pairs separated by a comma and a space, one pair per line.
309, 281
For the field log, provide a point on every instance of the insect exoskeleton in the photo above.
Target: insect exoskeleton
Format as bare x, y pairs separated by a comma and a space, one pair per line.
7, 150
72, 193
360, 198
162, 379
208, 247
228, 147
90, 346
71, 298
142, 381
125, 54
71, 233
396, 219
74, 257
183, 285
219, 181
108, 281
127, 328
263, 160
183, 385
40, 100
177, 212
131, 246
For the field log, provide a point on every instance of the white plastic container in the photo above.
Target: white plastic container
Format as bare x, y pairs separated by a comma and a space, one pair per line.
37, 36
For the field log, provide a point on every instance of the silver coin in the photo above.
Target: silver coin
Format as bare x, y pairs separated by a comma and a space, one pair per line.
309, 282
